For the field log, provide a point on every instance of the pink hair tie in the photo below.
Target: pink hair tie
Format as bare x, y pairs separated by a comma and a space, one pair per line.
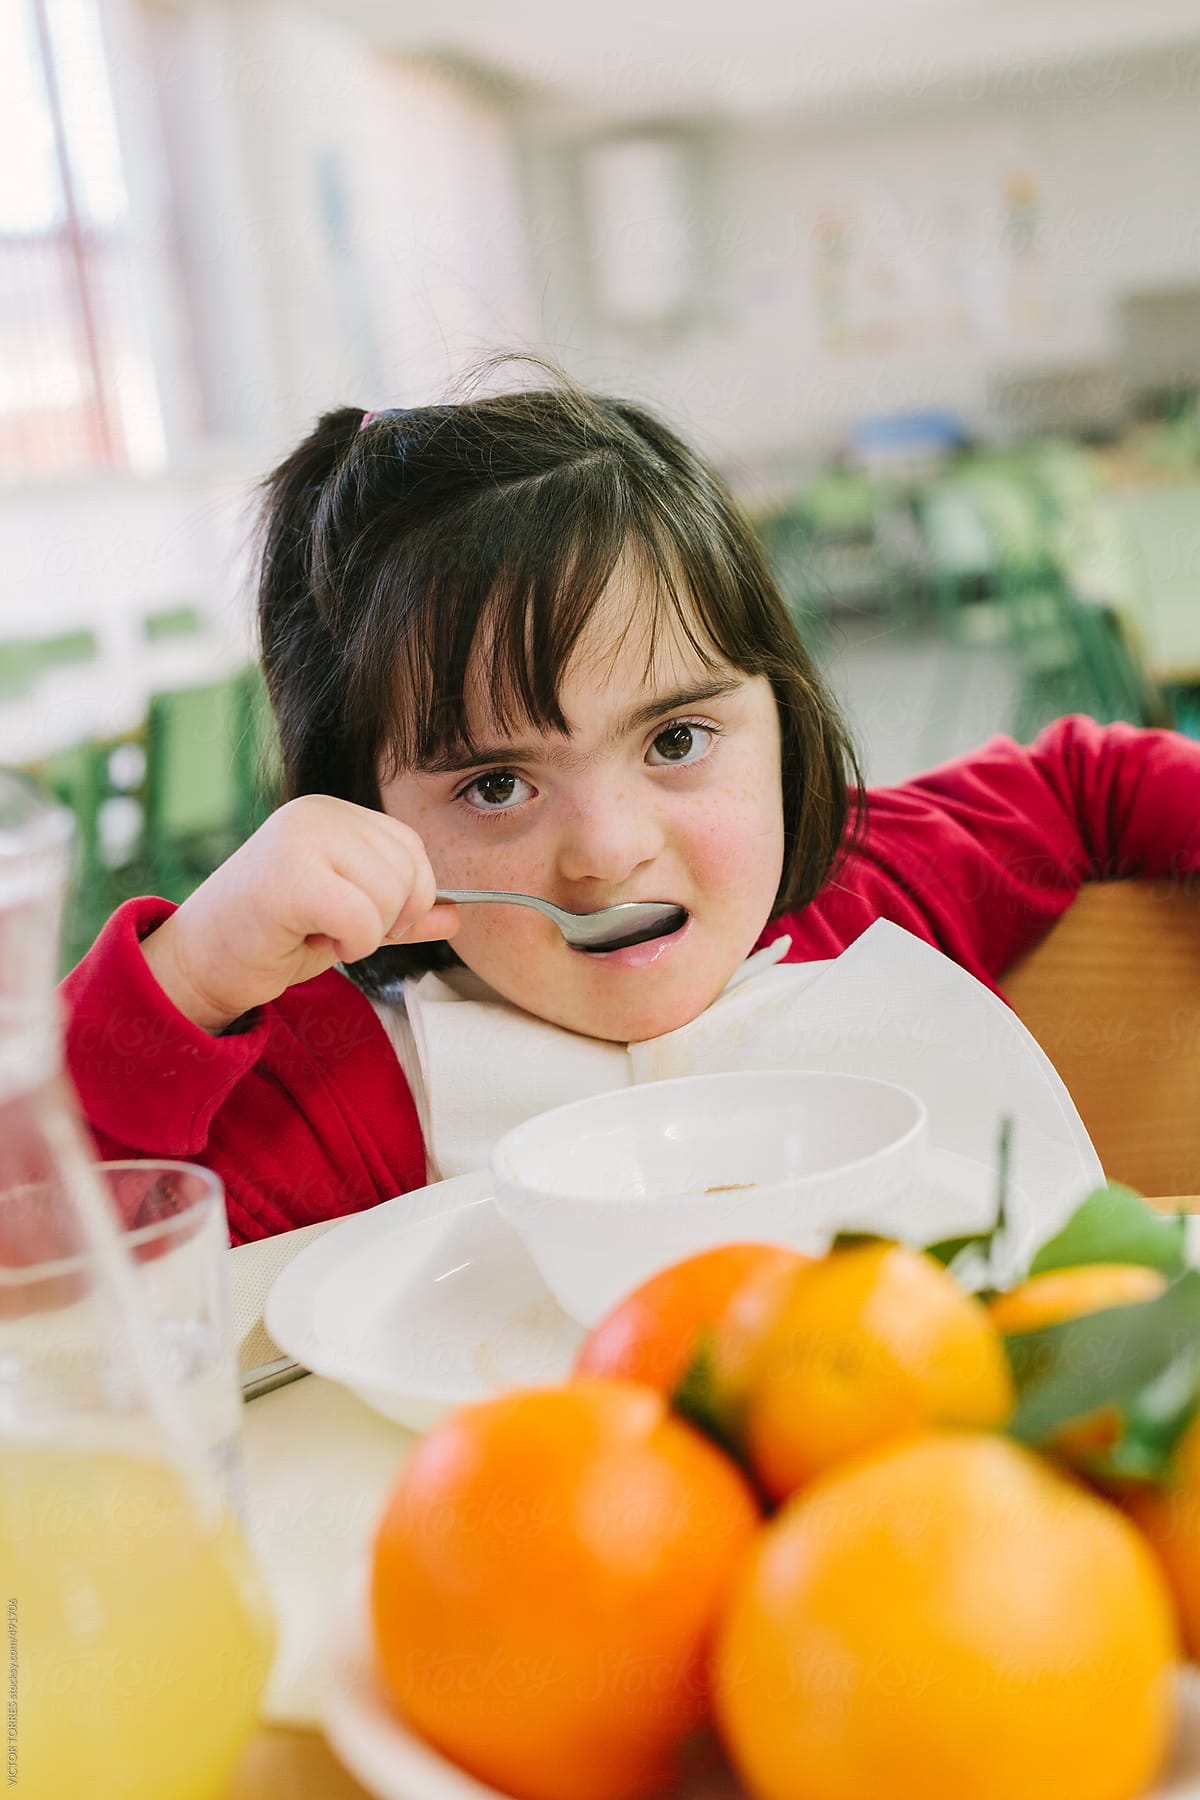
382, 412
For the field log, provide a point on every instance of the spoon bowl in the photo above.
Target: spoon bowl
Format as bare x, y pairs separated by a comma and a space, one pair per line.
611, 928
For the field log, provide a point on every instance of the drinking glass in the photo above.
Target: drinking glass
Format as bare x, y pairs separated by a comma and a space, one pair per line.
175, 1232
137, 1635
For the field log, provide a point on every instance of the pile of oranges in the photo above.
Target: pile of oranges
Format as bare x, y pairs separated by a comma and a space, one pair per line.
786, 1516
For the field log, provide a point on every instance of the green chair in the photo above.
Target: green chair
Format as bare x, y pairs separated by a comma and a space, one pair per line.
75, 778
962, 561
1071, 659
20, 665
209, 777
990, 537
1094, 559
1129, 691
23, 660
107, 866
68, 647
1064, 475
172, 622
842, 503
1013, 519
1069, 656
859, 548
1173, 444
787, 541
193, 799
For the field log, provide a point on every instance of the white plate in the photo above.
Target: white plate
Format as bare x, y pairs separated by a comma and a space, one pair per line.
393, 1763
430, 1300
421, 1304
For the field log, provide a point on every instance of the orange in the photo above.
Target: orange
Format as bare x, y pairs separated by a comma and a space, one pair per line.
1067, 1293
947, 1619
1170, 1518
547, 1578
653, 1333
868, 1344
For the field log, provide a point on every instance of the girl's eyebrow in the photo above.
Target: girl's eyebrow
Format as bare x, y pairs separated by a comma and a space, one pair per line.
453, 762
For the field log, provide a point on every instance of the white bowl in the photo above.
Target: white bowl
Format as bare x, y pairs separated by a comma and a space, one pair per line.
609, 1190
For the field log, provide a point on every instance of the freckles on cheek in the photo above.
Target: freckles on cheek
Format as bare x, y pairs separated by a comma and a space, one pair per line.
743, 838
710, 844
501, 942
476, 867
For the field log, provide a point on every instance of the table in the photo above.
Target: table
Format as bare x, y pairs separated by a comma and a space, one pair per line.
281, 1764
328, 1506
291, 1760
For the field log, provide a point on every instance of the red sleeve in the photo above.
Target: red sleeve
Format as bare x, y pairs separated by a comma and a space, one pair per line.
304, 1112
982, 855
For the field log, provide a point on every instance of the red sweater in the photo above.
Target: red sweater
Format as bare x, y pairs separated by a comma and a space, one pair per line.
305, 1113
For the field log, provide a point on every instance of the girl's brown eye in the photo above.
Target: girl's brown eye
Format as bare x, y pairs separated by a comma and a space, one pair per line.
675, 742
497, 790
681, 743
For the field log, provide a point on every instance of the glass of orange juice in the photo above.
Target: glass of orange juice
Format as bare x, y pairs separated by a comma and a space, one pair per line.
137, 1629
137, 1638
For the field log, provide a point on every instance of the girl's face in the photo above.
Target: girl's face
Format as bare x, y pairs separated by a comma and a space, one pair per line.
666, 787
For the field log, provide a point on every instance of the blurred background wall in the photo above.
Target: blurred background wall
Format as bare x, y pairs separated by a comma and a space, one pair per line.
923, 276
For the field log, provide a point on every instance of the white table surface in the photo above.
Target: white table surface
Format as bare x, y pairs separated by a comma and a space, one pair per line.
319, 1465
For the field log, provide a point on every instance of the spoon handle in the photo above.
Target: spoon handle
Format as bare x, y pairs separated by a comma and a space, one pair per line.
460, 894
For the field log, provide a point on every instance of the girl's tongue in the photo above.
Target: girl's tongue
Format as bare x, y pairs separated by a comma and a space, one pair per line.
643, 951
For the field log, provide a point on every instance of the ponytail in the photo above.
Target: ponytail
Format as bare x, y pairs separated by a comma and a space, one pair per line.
296, 612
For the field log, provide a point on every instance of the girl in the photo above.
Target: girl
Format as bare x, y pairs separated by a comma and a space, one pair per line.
530, 643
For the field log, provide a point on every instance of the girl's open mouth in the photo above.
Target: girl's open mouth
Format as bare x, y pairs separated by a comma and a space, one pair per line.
648, 935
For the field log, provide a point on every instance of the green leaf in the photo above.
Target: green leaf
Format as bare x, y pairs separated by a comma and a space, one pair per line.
696, 1399
1115, 1225
946, 1249
1154, 1423
857, 1240
1110, 1358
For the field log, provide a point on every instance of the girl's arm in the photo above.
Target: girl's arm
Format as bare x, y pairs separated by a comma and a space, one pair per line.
982, 855
221, 1031
301, 1107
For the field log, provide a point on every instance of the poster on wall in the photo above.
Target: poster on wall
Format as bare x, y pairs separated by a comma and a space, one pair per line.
963, 268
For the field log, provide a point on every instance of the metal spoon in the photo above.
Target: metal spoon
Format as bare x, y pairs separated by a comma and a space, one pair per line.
632, 922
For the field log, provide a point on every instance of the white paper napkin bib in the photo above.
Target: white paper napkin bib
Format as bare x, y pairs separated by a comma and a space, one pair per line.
889, 1006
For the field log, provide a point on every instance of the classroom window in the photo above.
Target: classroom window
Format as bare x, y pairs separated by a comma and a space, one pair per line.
77, 382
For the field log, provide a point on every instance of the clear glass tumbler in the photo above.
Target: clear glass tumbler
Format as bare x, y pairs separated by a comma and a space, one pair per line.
174, 1230
137, 1635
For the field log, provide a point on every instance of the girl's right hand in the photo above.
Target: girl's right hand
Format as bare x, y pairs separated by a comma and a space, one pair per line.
322, 881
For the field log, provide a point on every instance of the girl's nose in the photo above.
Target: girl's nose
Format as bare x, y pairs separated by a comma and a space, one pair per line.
607, 838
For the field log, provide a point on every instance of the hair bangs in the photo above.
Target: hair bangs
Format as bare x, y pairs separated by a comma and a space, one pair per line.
482, 638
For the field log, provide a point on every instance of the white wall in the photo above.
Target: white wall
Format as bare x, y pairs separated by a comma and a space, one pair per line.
349, 220
353, 227
1115, 156
266, 118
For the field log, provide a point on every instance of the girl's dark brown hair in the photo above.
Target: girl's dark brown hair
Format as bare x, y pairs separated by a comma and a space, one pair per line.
395, 556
